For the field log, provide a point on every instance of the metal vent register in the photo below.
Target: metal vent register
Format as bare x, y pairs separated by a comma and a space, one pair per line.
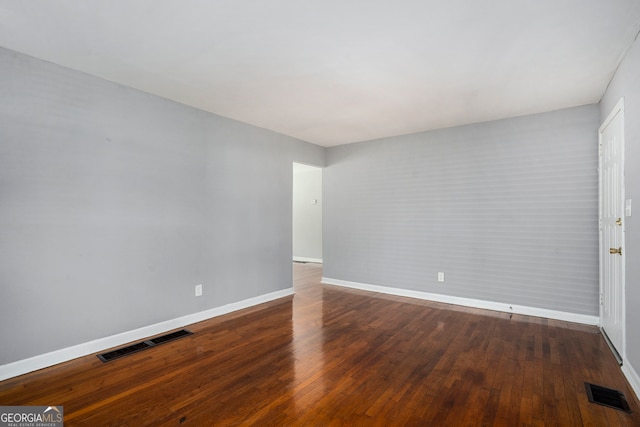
607, 397
143, 345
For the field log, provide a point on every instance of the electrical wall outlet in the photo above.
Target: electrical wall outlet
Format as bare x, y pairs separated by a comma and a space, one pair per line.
441, 276
198, 290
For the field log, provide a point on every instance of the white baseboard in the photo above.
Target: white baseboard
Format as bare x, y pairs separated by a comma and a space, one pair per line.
304, 259
632, 377
31, 364
468, 302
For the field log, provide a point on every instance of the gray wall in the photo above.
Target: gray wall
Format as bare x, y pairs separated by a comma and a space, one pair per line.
507, 209
627, 84
115, 203
307, 217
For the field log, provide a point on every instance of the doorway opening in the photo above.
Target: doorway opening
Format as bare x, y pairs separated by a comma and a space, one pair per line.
307, 213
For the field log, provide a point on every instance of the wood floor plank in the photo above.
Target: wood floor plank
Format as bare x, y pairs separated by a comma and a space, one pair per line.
330, 356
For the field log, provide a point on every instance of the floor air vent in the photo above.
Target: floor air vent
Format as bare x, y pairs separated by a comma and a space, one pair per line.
607, 397
134, 348
170, 337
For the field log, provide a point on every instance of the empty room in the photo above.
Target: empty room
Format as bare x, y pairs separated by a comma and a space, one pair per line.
290, 213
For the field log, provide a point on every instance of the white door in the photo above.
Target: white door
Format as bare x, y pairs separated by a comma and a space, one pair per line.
612, 249
307, 213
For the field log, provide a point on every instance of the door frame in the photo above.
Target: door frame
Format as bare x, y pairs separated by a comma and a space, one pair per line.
619, 352
301, 167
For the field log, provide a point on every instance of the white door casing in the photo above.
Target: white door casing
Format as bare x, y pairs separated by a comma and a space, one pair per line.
612, 223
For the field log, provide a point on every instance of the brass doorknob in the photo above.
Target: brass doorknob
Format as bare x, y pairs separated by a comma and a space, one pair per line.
615, 251
619, 221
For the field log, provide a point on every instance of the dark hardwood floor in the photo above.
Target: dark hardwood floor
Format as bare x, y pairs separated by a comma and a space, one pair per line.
331, 357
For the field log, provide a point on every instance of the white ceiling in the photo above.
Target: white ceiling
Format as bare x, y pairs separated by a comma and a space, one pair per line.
338, 71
